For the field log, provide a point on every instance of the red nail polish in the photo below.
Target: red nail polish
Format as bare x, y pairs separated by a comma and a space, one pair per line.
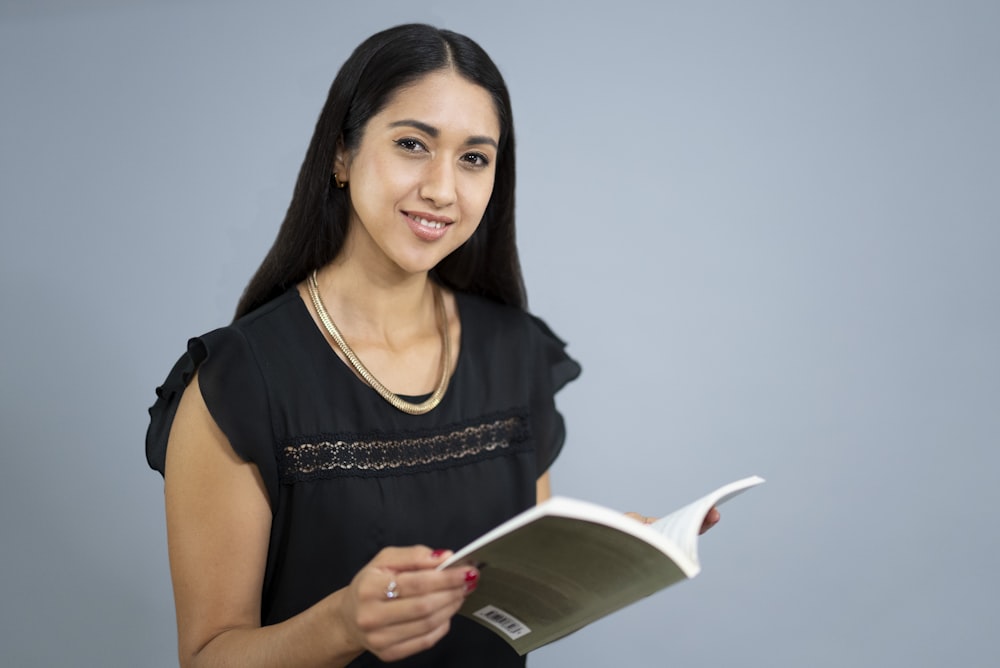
471, 581
437, 553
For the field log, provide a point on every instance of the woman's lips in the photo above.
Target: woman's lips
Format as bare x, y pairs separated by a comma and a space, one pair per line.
427, 226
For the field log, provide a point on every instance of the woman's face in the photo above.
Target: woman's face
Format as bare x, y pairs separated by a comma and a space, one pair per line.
422, 175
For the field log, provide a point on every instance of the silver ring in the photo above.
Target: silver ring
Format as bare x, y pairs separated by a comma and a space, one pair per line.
391, 590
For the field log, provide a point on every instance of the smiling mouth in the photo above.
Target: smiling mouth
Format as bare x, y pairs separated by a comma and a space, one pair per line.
424, 222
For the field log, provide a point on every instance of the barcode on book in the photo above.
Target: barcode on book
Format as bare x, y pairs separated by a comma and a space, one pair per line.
512, 626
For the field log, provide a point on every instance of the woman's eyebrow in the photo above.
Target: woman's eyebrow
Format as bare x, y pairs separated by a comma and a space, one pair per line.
432, 131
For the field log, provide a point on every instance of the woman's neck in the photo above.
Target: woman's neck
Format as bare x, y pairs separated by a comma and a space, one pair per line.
388, 308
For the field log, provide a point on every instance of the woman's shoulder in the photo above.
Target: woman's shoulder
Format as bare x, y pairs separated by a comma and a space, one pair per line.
271, 326
484, 314
471, 306
230, 363
238, 341
498, 328
279, 310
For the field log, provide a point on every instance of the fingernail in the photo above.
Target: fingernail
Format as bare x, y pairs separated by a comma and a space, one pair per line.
471, 581
438, 553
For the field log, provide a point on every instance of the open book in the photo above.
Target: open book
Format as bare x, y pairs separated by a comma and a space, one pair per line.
566, 563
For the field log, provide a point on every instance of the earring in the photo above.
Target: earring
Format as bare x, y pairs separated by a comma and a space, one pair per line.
340, 184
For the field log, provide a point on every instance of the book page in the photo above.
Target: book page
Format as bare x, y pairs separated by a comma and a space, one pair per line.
682, 526
559, 506
558, 574
564, 563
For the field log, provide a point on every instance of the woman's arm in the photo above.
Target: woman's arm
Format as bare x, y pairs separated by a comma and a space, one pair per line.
218, 527
543, 488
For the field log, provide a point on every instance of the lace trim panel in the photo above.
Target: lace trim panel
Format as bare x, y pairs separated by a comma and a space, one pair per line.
387, 454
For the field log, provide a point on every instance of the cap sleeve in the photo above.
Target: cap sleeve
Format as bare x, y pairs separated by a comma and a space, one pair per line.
234, 392
555, 370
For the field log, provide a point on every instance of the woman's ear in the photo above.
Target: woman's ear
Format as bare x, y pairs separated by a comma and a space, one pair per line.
341, 163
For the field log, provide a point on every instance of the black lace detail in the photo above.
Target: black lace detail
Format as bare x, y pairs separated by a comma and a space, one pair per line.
369, 455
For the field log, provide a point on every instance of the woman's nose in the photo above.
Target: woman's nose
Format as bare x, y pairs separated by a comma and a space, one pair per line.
438, 184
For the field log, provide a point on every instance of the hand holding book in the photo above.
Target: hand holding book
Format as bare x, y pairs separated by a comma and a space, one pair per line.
711, 519
565, 563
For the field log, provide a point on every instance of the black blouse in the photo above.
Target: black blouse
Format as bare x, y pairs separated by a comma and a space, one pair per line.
347, 474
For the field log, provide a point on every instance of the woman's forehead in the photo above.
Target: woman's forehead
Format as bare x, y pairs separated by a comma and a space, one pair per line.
444, 100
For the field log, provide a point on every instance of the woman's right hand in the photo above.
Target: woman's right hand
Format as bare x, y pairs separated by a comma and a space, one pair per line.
419, 610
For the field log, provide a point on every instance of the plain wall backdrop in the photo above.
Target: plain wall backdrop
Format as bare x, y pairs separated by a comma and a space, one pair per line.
769, 230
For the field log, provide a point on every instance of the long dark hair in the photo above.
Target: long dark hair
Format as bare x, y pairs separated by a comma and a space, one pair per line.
315, 225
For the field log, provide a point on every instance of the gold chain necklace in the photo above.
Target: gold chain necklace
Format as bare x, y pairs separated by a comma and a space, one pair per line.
383, 391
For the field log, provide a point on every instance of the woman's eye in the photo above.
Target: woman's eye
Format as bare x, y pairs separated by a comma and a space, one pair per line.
411, 145
476, 159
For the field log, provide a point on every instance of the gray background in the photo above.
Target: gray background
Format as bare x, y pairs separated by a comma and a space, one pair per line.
769, 231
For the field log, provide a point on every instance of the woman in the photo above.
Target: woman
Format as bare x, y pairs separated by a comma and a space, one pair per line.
382, 396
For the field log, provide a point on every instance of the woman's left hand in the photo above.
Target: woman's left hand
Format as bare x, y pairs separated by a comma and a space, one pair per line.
711, 519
